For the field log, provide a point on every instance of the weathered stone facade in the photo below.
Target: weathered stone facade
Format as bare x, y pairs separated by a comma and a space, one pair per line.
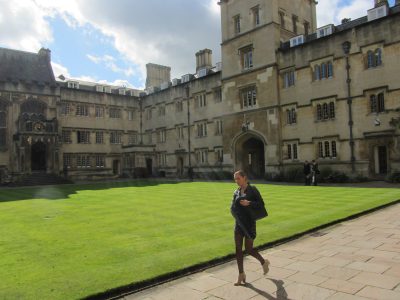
286, 92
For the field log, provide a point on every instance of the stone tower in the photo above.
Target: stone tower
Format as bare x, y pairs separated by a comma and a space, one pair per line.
252, 31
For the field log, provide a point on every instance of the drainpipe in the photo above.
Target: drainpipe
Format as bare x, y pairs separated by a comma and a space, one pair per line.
346, 49
190, 172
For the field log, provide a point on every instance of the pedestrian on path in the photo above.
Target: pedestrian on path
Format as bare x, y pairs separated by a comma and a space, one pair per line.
246, 196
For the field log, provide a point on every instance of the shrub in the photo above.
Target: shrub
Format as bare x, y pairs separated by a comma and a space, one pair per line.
294, 175
394, 177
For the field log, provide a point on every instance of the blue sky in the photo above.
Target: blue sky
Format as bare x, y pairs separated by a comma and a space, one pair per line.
111, 41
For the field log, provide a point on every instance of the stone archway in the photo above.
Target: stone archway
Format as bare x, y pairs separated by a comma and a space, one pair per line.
180, 166
250, 155
38, 156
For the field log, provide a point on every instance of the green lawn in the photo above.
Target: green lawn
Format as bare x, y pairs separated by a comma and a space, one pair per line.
68, 242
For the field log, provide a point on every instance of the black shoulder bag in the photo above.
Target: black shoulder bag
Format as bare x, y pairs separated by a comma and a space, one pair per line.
260, 211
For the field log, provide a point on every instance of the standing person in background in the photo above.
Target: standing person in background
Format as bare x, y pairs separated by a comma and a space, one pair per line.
314, 171
245, 227
307, 173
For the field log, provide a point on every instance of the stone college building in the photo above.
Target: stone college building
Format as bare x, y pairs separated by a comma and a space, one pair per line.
285, 92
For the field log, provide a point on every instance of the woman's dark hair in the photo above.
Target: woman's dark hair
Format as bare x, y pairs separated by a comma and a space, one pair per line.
241, 173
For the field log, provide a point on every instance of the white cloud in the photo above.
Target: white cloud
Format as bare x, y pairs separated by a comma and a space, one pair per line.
333, 11
59, 69
148, 31
23, 26
109, 62
163, 32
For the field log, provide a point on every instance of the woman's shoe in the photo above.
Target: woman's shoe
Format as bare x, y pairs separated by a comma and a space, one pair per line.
266, 266
241, 277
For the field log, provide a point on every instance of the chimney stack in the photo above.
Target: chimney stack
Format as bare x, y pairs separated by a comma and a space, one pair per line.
381, 2
157, 75
45, 53
204, 59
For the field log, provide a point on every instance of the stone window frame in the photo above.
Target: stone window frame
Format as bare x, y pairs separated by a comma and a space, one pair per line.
288, 78
83, 161
248, 96
3, 123
237, 24
83, 137
291, 115
295, 19
100, 161
115, 113
377, 102
162, 159
115, 137
99, 137
99, 111
161, 110
217, 95
325, 110
132, 138
255, 11
179, 105
327, 149
130, 113
246, 57
65, 108
82, 110
219, 154
200, 100
201, 129
219, 127
180, 133
291, 150
201, 156
67, 160
162, 135
66, 136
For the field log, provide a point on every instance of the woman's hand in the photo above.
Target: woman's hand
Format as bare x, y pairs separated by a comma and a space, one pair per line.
244, 202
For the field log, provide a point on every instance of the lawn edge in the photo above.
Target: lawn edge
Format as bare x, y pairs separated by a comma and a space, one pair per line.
119, 292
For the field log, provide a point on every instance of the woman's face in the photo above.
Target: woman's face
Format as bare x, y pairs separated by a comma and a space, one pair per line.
240, 180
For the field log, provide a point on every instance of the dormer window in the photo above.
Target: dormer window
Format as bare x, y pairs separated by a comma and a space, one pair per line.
324, 31
202, 72
73, 84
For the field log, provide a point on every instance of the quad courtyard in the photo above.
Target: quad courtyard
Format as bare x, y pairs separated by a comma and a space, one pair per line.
113, 239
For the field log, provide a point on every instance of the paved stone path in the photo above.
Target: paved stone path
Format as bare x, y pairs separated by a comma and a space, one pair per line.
354, 260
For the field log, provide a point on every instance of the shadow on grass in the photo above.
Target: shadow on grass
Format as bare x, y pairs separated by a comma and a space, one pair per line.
60, 192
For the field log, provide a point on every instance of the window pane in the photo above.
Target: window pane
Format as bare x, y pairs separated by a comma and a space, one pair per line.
381, 102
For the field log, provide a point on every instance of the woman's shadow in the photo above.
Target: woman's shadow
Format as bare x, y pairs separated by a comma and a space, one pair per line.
280, 292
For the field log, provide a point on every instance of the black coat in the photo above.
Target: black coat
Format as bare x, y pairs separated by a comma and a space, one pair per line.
241, 213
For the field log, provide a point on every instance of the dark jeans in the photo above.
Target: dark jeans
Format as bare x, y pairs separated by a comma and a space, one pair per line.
307, 178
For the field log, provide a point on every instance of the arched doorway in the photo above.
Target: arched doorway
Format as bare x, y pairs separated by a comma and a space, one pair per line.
149, 166
250, 154
180, 166
38, 156
253, 158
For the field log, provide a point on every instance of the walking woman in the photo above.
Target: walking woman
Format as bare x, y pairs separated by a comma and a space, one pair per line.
245, 227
